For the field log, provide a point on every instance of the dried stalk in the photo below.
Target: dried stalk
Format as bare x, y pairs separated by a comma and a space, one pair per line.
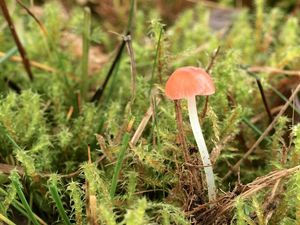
142, 125
13, 31
271, 70
265, 133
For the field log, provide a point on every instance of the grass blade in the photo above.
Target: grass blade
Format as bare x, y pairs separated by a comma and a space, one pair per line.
155, 60
9, 54
255, 129
52, 185
20, 208
6, 220
118, 166
15, 180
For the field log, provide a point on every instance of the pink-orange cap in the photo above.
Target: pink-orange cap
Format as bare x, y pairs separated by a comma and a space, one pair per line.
189, 81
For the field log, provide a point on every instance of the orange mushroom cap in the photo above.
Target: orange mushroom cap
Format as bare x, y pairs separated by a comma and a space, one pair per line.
189, 81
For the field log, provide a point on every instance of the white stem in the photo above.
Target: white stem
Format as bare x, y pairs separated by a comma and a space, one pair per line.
202, 148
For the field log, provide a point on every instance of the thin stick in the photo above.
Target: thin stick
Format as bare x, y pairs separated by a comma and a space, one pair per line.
181, 131
154, 122
89, 154
263, 96
205, 107
271, 70
32, 63
265, 133
208, 68
262, 115
248, 190
70, 112
99, 92
212, 60
6, 220
16, 38
155, 60
41, 25
143, 124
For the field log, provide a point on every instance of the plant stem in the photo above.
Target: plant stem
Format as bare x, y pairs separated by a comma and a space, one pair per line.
13, 31
99, 92
62, 212
263, 96
17, 184
118, 165
181, 131
205, 108
20, 208
202, 148
6, 220
155, 60
8, 54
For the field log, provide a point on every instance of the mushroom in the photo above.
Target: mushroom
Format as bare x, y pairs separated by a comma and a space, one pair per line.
187, 82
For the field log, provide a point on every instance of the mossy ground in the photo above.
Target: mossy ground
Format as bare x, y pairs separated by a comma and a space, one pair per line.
65, 159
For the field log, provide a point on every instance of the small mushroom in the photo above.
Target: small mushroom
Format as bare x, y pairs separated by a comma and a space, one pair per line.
186, 83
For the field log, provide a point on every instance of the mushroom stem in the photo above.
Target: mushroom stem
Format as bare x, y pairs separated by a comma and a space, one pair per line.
193, 115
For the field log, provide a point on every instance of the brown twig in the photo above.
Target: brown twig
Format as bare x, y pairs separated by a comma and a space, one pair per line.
264, 134
208, 68
70, 113
32, 63
181, 131
142, 124
227, 202
21, 49
212, 59
260, 116
38, 65
268, 205
203, 114
271, 70
42, 27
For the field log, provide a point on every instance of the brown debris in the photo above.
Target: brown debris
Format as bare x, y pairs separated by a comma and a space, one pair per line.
220, 212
